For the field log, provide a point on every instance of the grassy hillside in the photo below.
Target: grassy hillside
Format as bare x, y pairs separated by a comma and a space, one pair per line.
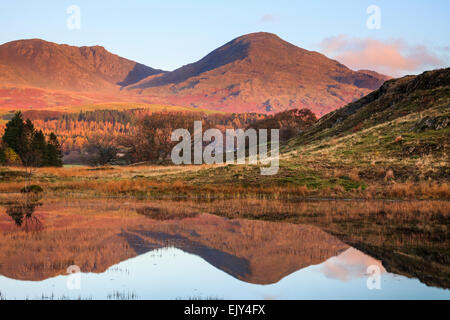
395, 99
397, 133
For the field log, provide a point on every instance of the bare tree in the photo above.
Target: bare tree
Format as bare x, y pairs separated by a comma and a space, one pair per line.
100, 150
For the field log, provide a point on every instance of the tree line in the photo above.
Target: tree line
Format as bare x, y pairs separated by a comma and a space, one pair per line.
78, 130
123, 137
150, 139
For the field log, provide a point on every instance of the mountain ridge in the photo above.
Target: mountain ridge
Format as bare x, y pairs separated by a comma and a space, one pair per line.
257, 72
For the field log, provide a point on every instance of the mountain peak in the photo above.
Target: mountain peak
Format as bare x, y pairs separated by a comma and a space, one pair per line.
253, 50
258, 36
266, 45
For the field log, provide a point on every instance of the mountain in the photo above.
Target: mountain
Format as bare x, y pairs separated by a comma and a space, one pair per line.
262, 73
257, 72
41, 64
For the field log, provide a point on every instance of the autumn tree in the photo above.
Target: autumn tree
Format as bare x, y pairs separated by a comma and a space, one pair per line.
8, 156
290, 122
152, 138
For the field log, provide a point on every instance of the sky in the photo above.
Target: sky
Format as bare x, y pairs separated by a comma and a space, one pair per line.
394, 37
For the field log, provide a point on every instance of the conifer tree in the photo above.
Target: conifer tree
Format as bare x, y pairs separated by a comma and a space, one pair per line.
21, 138
54, 153
13, 131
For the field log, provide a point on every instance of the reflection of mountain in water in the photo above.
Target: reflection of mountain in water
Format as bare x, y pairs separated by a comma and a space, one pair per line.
253, 251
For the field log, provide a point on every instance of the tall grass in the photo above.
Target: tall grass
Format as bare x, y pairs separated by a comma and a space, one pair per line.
219, 182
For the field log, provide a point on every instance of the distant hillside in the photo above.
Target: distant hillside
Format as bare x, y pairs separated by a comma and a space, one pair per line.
262, 73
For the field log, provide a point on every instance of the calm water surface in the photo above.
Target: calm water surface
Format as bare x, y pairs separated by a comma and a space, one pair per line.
125, 254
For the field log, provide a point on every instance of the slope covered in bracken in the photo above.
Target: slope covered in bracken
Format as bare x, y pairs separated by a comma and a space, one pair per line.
399, 133
395, 99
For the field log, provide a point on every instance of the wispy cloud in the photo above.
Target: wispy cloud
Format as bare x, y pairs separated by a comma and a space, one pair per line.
268, 17
394, 57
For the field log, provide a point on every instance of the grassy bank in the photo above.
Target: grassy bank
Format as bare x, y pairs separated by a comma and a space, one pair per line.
295, 180
386, 161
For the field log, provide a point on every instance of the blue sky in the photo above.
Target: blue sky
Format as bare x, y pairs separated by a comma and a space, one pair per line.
168, 34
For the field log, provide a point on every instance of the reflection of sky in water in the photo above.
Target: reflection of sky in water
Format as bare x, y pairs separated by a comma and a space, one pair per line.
349, 265
171, 274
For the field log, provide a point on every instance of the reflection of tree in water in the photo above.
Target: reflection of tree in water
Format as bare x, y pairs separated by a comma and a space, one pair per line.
23, 214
